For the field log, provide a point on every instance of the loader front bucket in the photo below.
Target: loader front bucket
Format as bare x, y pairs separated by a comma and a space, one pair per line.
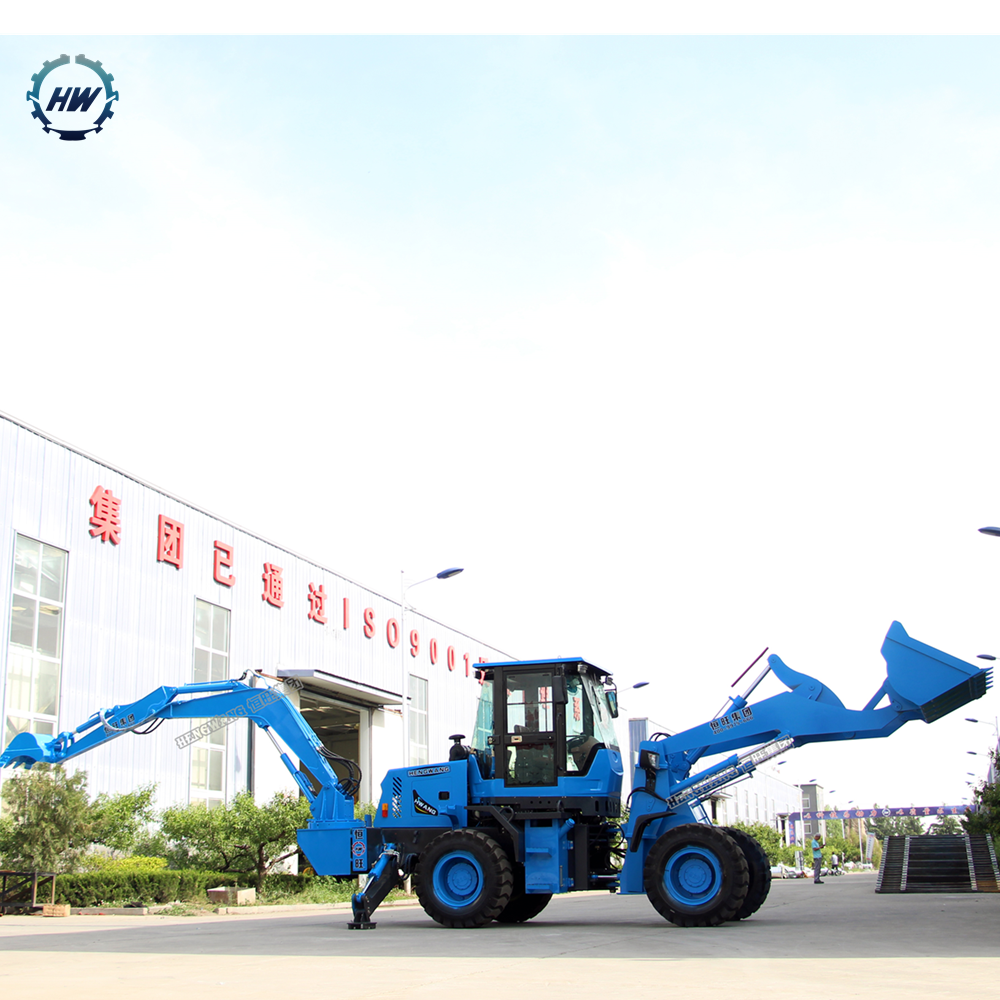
922, 677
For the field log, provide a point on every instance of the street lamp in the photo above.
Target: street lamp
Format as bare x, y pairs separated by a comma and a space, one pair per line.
981, 723
404, 686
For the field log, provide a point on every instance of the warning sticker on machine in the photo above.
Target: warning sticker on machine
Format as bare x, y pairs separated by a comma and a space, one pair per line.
423, 806
359, 851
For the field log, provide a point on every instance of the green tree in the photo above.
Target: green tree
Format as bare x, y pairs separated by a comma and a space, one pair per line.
835, 829
239, 837
766, 836
48, 818
986, 799
894, 826
945, 826
883, 826
120, 821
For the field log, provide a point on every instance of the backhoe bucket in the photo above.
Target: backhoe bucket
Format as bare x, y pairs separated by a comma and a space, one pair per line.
922, 677
24, 749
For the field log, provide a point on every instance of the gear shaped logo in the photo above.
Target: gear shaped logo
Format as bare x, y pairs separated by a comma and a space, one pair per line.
72, 98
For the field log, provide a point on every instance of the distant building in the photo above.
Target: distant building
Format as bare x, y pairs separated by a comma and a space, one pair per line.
813, 801
764, 797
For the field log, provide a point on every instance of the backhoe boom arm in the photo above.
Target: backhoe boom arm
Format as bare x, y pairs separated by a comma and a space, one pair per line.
267, 707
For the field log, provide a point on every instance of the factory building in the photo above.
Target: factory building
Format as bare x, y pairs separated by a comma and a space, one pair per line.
113, 587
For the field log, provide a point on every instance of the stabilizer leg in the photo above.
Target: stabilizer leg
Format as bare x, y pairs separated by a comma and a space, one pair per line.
384, 877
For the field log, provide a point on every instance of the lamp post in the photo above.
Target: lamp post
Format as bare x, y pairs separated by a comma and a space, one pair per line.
640, 732
404, 681
991, 775
861, 846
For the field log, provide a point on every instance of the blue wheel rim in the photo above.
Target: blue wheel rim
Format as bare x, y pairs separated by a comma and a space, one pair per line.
458, 879
692, 876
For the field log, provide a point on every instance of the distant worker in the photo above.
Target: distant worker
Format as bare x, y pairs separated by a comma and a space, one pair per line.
817, 849
835, 864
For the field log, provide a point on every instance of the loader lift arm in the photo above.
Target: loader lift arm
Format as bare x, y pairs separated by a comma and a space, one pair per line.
692, 871
922, 683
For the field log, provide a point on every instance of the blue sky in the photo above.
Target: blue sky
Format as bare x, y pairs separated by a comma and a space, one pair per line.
683, 346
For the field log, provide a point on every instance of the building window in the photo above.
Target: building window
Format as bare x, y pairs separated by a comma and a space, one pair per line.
211, 663
35, 638
418, 721
211, 642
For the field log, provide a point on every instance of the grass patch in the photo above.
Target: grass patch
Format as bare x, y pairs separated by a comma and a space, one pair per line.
185, 910
317, 889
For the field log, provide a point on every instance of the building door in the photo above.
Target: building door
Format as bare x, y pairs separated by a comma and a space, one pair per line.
341, 727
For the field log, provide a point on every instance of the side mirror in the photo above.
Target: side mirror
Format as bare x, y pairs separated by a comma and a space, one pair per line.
612, 697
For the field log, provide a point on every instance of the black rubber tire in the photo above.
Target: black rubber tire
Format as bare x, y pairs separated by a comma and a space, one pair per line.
759, 866
712, 865
523, 905
485, 877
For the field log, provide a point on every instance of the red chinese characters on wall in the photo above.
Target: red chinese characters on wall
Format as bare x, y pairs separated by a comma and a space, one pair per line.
317, 603
106, 524
170, 542
273, 586
223, 560
106, 519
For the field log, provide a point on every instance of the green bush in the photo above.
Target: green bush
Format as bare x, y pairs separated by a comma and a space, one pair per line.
121, 866
768, 838
286, 884
110, 888
284, 888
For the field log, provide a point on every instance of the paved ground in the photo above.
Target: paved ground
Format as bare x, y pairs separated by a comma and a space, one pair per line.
838, 939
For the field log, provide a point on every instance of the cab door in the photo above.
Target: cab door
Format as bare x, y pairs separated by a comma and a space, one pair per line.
531, 725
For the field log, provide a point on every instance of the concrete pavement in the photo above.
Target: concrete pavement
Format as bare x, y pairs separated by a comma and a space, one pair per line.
838, 939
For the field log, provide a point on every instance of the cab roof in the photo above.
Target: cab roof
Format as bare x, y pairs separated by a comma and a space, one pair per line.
553, 661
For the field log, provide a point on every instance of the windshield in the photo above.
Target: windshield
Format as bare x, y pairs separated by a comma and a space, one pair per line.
588, 720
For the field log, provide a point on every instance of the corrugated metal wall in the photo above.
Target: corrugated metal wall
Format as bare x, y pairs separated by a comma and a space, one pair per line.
129, 619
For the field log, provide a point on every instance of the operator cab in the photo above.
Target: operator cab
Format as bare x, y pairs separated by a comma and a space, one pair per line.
543, 720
